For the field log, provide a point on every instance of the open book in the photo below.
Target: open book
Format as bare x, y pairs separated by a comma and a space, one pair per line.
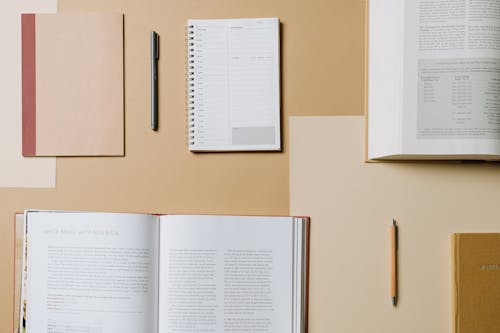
118, 273
434, 79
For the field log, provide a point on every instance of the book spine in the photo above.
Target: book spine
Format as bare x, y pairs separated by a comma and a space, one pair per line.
28, 69
191, 112
455, 242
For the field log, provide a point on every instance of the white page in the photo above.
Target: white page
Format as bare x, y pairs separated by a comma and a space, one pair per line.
92, 272
16, 170
236, 96
18, 269
452, 70
207, 267
385, 77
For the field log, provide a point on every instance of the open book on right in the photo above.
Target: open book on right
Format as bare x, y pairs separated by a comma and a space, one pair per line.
434, 80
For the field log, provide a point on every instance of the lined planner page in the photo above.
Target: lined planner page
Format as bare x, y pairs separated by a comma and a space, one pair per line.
234, 87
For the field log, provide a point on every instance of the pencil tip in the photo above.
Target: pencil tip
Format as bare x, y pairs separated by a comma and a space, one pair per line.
393, 222
394, 301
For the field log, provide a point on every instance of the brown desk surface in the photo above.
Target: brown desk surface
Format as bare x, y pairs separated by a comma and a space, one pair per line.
322, 43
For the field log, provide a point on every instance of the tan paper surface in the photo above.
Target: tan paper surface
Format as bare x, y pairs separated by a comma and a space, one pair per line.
351, 204
79, 84
158, 173
16, 171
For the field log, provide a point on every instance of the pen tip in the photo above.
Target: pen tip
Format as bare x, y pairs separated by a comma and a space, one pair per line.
394, 301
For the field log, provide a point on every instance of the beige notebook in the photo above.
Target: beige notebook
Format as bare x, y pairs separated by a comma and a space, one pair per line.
72, 84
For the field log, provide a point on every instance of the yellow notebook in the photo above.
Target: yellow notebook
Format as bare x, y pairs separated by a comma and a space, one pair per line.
476, 283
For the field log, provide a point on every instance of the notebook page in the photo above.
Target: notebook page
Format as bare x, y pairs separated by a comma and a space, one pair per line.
236, 84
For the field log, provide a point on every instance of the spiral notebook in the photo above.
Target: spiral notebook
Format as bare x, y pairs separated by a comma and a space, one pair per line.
233, 79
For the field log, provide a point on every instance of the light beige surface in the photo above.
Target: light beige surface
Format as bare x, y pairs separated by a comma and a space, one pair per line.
79, 84
351, 204
322, 73
15, 170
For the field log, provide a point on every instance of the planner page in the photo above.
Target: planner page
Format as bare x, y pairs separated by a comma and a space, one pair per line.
233, 84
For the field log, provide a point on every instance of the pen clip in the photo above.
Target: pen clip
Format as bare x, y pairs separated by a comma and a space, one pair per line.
396, 236
157, 46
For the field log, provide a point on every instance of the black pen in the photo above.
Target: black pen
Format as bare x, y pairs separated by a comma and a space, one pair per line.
394, 262
155, 55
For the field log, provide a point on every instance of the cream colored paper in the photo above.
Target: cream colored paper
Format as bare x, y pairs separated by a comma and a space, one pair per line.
16, 171
79, 84
351, 204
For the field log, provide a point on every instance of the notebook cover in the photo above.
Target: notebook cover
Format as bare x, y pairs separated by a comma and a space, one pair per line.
476, 283
72, 84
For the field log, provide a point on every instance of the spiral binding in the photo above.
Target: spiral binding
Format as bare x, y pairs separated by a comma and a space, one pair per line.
190, 85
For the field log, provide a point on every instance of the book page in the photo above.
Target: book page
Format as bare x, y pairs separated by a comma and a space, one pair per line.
226, 274
385, 77
236, 96
19, 300
452, 77
91, 272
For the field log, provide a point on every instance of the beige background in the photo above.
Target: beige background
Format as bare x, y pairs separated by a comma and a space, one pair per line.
322, 74
352, 203
15, 170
